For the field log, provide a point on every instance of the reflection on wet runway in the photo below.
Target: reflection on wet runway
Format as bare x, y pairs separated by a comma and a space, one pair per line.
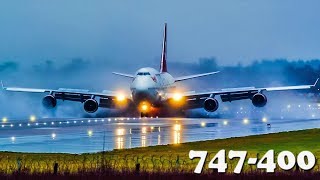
146, 134
92, 135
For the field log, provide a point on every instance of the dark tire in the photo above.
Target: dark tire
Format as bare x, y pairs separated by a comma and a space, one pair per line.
144, 114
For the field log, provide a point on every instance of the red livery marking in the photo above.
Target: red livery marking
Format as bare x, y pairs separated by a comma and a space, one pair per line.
154, 79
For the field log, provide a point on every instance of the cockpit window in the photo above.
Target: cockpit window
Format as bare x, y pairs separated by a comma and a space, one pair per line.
143, 73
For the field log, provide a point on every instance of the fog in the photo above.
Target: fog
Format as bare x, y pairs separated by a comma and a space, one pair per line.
96, 76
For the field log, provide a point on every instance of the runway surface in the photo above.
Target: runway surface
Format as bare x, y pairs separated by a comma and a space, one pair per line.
93, 135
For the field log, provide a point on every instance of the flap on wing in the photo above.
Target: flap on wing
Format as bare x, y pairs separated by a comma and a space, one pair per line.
108, 92
72, 90
239, 89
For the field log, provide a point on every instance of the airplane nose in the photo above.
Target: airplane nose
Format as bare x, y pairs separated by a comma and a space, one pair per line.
141, 90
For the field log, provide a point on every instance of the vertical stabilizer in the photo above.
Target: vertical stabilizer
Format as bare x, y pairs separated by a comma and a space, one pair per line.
163, 65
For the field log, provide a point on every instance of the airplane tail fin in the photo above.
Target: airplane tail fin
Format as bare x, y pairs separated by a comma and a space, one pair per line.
163, 64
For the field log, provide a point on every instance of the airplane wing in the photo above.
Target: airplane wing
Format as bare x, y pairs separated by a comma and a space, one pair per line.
232, 94
194, 76
124, 75
80, 95
61, 91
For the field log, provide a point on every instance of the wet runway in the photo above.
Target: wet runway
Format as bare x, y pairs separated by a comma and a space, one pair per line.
92, 135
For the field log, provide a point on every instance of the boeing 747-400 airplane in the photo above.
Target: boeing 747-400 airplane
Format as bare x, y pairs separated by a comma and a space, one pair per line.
152, 89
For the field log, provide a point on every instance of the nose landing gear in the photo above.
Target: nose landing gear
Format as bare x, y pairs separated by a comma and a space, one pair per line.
144, 114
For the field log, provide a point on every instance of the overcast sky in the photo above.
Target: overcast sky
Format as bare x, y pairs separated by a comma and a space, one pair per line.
121, 31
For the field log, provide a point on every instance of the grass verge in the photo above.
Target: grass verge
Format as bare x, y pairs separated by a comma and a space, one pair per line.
162, 159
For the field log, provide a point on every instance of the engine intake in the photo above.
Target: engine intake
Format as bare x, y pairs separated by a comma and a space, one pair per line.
49, 101
90, 105
259, 100
211, 104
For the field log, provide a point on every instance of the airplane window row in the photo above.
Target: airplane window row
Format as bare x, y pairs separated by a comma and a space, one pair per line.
143, 73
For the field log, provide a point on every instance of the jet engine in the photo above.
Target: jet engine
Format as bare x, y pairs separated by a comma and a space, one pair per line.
49, 101
90, 105
211, 104
259, 100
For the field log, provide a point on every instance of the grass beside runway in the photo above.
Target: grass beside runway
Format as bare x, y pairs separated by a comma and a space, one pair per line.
165, 158
294, 141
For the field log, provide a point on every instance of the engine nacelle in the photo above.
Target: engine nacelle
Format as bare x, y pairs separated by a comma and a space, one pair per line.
210, 104
259, 100
49, 101
90, 105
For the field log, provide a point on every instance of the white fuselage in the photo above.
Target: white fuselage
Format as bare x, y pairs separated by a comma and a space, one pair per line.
150, 85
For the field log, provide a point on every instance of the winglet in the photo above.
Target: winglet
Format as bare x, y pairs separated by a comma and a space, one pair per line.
316, 84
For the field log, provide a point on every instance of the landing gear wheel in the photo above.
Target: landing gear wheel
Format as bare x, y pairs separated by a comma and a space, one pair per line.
142, 114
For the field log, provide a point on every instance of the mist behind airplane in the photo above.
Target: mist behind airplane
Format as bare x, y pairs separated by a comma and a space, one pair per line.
152, 89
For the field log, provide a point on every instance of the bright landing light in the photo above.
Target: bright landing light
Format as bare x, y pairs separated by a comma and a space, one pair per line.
144, 107
225, 122
177, 96
120, 97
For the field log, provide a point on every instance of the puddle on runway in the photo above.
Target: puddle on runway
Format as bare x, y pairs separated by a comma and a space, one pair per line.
92, 135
